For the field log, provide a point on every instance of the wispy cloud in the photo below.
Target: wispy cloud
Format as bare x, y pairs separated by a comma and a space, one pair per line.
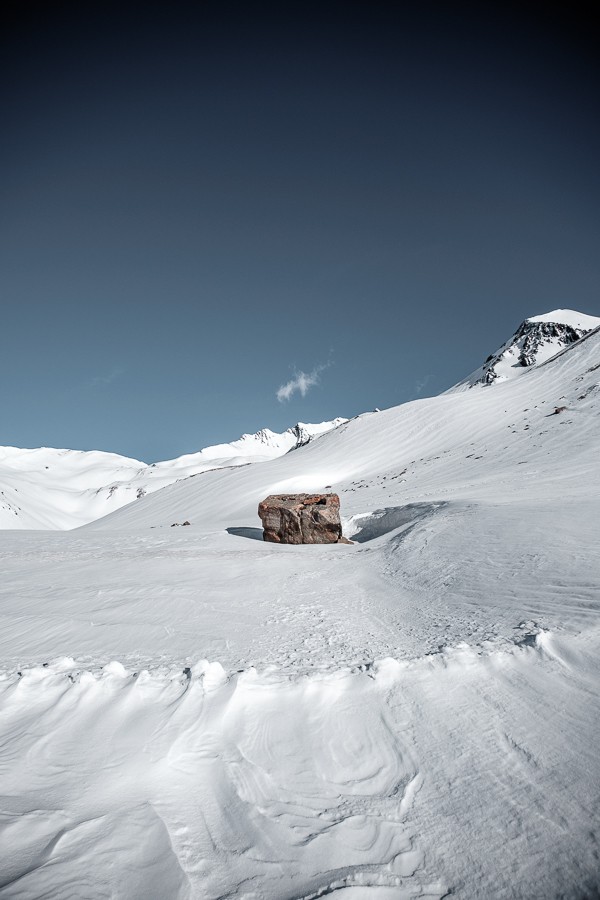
301, 383
108, 378
420, 385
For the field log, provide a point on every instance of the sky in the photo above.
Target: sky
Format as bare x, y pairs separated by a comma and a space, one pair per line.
217, 221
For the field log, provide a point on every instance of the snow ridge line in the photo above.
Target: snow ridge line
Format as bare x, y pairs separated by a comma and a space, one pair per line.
213, 676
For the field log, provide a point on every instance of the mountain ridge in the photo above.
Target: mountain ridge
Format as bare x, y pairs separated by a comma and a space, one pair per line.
47, 487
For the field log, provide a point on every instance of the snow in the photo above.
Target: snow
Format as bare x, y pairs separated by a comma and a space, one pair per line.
193, 713
568, 317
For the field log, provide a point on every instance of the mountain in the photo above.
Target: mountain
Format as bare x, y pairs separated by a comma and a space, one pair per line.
194, 713
61, 489
536, 340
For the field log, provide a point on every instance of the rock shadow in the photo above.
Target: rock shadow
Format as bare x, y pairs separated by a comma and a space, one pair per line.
382, 521
255, 534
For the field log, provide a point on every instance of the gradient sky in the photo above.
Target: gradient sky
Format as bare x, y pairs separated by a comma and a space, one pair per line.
196, 206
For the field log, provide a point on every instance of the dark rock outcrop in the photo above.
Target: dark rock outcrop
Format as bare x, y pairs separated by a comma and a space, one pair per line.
301, 519
525, 345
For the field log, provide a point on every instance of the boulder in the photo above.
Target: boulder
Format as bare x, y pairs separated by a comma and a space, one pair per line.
301, 519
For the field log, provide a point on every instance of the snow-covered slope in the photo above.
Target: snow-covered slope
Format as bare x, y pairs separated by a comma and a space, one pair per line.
536, 340
48, 488
192, 713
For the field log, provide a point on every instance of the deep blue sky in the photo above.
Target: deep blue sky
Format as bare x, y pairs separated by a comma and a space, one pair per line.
193, 206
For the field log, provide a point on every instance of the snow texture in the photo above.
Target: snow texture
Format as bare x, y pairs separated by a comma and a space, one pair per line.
194, 713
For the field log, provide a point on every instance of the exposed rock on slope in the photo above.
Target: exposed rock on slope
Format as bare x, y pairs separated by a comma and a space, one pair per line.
536, 340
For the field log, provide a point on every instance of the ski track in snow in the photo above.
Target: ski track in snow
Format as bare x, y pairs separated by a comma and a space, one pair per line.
416, 715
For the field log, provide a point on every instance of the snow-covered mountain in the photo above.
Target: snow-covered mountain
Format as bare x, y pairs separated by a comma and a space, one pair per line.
48, 488
192, 713
536, 340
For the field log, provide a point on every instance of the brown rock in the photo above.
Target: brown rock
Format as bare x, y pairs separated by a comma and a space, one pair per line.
301, 518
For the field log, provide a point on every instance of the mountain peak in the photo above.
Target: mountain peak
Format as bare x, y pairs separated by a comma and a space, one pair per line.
571, 317
536, 340
303, 433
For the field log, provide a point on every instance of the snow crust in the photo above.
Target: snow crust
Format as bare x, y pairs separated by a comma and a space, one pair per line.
193, 713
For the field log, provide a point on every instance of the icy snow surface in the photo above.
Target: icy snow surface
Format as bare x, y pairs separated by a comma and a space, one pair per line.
193, 713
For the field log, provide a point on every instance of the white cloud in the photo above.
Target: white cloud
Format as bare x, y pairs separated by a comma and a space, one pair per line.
101, 380
300, 383
420, 385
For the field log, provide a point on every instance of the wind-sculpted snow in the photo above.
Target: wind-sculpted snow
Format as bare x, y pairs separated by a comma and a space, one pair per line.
299, 786
368, 526
195, 784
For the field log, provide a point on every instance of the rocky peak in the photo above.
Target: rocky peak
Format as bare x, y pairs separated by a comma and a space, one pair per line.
300, 434
303, 434
264, 436
536, 340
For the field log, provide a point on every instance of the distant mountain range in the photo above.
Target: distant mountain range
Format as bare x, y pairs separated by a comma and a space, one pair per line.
61, 489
